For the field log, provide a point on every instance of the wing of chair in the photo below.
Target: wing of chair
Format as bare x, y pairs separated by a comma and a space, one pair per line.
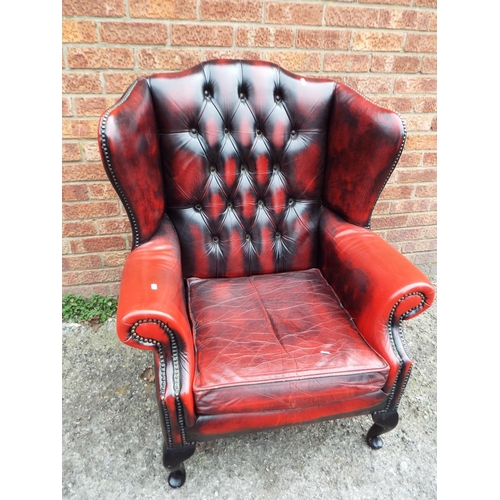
254, 276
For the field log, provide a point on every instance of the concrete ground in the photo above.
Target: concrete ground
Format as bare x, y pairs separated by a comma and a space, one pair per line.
112, 439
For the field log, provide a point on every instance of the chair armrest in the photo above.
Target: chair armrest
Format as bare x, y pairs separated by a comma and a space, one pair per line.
152, 310
377, 285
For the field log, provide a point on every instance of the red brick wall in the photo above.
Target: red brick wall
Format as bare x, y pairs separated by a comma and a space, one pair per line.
386, 49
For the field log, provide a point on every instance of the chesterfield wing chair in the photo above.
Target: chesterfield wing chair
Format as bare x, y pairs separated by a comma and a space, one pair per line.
254, 276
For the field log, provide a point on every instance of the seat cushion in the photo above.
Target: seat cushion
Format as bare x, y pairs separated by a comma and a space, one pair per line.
274, 342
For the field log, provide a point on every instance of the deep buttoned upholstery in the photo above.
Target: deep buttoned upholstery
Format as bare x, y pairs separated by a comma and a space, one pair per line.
254, 276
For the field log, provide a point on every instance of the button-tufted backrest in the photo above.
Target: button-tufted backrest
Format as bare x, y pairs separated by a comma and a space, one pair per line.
243, 150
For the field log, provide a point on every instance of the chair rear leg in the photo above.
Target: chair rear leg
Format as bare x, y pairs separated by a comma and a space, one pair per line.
384, 421
173, 461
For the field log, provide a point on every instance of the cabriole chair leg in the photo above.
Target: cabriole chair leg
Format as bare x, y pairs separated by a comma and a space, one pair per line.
384, 421
173, 461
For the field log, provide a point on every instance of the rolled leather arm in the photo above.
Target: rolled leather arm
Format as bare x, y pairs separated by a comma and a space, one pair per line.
377, 285
152, 307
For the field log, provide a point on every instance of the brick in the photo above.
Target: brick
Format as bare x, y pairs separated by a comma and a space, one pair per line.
359, 17
74, 192
429, 64
419, 246
81, 83
425, 3
163, 9
100, 57
434, 124
168, 59
113, 226
97, 244
420, 123
118, 83
425, 258
208, 35
70, 278
407, 206
93, 8
134, 32
419, 42
99, 276
74, 129
410, 159
114, 259
395, 64
396, 192
264, 37
83, 172
387, 2
102, 191
405, 234
381, 207
66, 107
433, 23
424, 141
399, 104
78, 262
231, 10
91, 151
79, 228
427, 191
389, 222
88, 290
247, 55
353, 63
90, 210
430, 159
294, 13
411, 175
403, 19
296, 61
374, 84
76, 31
377, 41
425, 104
71, 151
426, 219
92, 106
415, 85
65, 247
323, 39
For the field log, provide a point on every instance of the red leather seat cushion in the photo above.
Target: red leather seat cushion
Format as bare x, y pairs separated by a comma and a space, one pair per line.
275, 342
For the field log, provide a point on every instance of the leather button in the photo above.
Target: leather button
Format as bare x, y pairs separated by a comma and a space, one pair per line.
276, 167
247, 237
229, 205
244, 168
293, 133
258, 131
242, 96
215, 239
291, 201
260, 203
278, 235
277, 98
197, 207
193, 131
226, 130
212, 168
206, 93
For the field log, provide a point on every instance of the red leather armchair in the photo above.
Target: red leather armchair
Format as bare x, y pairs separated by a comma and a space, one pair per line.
254, 276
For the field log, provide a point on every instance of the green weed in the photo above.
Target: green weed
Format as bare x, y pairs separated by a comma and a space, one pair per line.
97, 308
